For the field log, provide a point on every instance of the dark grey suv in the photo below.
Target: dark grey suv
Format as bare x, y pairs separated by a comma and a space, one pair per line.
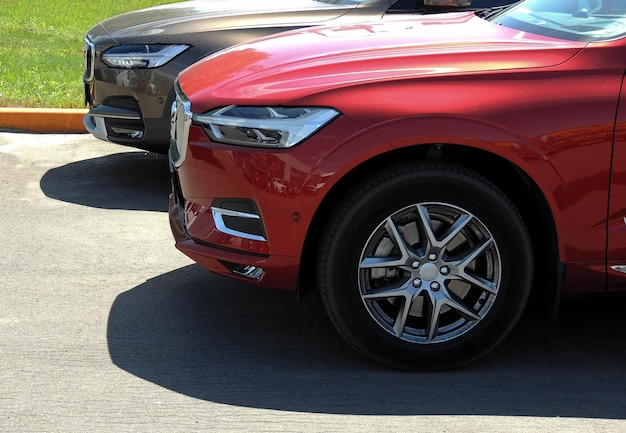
131, 60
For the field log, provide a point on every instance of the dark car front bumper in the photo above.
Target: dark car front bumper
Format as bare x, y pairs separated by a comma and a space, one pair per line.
130, 107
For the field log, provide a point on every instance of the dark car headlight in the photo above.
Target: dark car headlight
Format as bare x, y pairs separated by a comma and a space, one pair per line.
141, 56
277, 127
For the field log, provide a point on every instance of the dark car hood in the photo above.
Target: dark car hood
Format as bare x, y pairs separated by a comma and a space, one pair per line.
200, 16
277, 70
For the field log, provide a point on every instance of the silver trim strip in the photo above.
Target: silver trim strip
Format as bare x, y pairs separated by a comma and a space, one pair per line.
219, 213
619, 268
251, 272
95, 126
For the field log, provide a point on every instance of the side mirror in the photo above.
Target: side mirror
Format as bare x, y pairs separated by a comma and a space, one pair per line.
448, 3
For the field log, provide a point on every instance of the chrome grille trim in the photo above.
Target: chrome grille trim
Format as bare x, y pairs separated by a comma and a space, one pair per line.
89, 58
181, 117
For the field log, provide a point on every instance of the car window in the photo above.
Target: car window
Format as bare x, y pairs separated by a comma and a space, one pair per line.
576, 20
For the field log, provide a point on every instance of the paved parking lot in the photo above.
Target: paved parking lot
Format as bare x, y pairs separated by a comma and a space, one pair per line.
106, 327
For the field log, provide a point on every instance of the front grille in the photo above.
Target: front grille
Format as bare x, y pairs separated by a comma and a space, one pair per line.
89, 57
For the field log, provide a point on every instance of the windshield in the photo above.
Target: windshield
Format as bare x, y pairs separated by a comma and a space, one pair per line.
576, 20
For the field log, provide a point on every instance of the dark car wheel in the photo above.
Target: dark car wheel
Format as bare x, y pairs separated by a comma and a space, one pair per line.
425, 266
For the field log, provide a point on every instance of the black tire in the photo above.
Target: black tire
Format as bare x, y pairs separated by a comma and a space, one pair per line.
387, 267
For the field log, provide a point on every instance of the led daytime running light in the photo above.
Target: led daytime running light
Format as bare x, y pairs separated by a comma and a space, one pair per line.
277, 127
141, 56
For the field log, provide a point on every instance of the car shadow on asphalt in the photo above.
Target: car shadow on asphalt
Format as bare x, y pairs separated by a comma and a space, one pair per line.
129, 180
213, 339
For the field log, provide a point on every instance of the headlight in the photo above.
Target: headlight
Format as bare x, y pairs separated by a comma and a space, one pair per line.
280, 127
141, 56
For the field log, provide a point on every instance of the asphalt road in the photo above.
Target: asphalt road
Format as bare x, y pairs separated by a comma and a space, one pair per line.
106, 327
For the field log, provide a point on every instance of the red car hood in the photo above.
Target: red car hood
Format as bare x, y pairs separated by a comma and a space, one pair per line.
280, 68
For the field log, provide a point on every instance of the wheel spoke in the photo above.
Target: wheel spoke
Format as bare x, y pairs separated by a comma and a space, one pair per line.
461, 266
381, 262
400, 322
402, 289
390, 261
456, 228
475, 252
486, 285
405, 292
398, 239
431, 239
432, 323
463, 310
437, 302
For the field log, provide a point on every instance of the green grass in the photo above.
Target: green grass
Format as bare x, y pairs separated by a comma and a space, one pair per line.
41, 48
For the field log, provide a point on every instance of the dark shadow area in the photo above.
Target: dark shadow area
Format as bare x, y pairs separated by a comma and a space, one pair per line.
131, 181
222, 341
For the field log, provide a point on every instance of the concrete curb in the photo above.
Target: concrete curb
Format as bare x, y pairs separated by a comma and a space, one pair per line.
43, 120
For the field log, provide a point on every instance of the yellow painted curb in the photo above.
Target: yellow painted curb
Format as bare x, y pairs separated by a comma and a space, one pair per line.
46, 120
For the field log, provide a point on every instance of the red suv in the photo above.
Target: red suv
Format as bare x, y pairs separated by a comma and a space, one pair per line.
424, 174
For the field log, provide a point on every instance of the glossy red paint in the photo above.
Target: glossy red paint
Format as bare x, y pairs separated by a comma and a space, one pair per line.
547, 107
273, 68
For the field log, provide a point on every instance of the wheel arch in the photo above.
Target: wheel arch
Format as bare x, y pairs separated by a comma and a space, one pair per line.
514, 182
